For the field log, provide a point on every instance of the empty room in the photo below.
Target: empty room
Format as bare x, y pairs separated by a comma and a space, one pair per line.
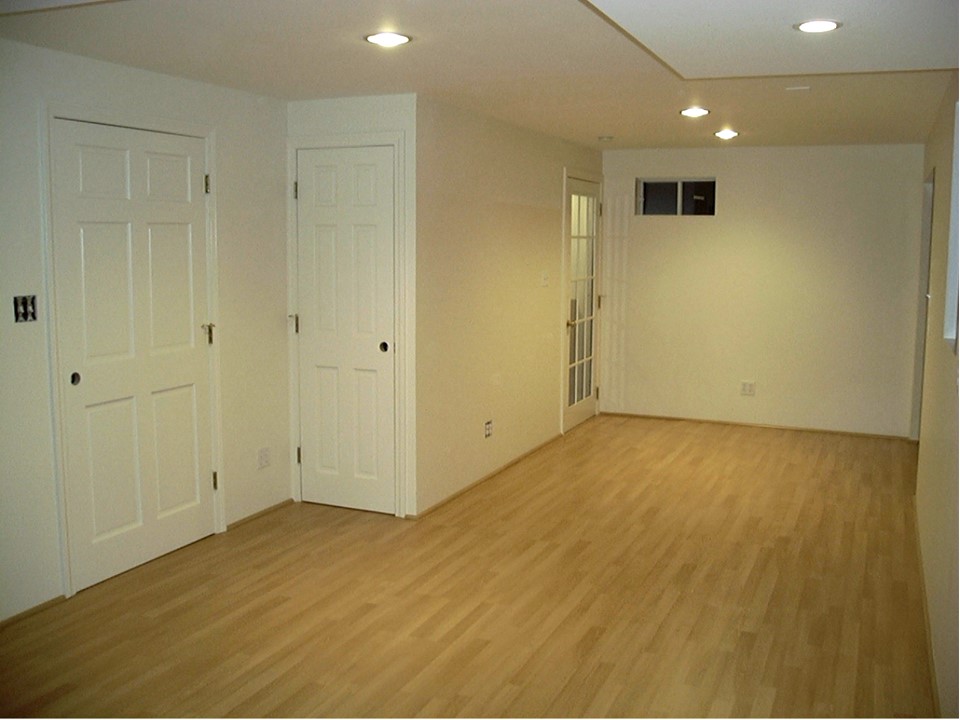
484, 358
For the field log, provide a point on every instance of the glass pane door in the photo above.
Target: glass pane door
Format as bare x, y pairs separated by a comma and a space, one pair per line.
581, 303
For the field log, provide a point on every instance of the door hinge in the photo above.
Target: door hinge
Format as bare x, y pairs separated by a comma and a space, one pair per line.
215, 482
599, 302
206, 184
299, 456
296, 323
296, 189
598, 392
600, 209
209, 329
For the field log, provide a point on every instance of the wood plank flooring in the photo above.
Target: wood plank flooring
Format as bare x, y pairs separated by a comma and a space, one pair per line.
634, 567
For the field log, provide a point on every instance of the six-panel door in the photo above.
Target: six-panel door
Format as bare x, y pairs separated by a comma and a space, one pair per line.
129, 251
345, 226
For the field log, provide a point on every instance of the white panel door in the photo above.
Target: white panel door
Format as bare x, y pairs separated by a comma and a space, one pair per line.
582, 225
129, 251
345, 226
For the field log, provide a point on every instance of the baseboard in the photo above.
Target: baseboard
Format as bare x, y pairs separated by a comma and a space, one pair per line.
475, 483
31, 611
934, 688
849, 433
248, 518
62, 598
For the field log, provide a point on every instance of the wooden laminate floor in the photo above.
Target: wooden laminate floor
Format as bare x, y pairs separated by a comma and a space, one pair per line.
634, 567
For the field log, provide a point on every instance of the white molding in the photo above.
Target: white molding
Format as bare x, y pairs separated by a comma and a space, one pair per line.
213, 308
45, 127
128, 119
293, 344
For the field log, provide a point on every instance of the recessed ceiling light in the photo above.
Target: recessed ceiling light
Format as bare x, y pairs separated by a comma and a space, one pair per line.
694, 112
727, 134
388, 39
605, 138
817, 26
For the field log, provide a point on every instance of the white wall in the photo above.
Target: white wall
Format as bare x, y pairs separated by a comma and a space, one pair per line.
804, 282
249, 184
937, 473
489, 209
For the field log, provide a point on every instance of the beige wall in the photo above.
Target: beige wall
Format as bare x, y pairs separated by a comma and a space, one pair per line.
249, 186
804, 282
489, 225
937, 474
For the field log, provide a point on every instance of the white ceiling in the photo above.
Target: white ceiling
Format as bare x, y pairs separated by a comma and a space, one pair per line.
753, 38
556, 66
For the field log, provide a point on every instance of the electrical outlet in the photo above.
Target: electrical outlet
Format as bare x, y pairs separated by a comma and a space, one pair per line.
488, 428
263, 458
748, 388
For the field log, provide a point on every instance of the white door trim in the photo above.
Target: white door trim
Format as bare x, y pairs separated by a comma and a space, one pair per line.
49, 113
404, 298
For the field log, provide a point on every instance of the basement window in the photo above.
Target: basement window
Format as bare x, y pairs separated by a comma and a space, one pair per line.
676, 197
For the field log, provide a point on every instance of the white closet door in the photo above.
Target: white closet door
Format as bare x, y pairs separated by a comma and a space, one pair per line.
129, 251
346, 284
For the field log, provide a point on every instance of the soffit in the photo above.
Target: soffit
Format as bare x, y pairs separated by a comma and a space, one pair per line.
555, 66
753, 38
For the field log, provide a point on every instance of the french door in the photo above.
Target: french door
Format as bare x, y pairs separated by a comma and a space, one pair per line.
130, 281
582, 225
345, 232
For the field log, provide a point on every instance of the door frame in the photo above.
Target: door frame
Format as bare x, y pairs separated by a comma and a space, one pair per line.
49, 114
923, 301
404, 263
587, 176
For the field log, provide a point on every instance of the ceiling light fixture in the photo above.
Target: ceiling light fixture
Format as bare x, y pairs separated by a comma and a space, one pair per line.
694, 112
726, 134
387, 39
817, 26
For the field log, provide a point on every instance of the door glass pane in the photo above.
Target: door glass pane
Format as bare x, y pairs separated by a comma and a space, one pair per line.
584, 226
